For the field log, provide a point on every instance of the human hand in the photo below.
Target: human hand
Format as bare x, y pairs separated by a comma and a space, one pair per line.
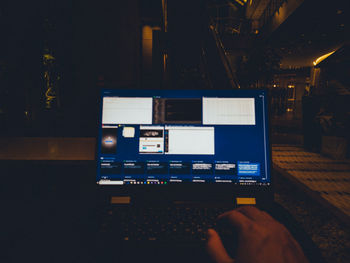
260, 239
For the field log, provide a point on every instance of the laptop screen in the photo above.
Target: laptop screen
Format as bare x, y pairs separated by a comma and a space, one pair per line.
183, 137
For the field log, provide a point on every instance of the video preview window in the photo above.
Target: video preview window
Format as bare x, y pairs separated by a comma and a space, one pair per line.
173, 111
151, 139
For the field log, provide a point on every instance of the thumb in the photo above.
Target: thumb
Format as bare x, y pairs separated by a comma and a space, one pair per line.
216, 249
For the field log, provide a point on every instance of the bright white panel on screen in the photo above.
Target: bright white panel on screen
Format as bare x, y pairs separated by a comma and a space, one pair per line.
190, 140
228, 111
127, 110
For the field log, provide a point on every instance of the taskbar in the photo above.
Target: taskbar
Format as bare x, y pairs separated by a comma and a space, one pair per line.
175, 181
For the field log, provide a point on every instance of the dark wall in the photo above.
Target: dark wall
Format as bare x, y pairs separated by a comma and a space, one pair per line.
107, 46
90, 40
186, 25
20, 57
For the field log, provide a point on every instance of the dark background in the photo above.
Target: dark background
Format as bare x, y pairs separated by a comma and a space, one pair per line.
91, 41
47, 218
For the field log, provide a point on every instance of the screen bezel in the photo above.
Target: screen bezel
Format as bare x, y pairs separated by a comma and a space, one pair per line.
201, 191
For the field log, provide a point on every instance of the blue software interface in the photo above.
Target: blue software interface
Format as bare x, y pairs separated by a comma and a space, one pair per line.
183, 136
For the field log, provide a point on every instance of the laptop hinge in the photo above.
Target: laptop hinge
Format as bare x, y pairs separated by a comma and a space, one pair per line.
245, 201
120, 200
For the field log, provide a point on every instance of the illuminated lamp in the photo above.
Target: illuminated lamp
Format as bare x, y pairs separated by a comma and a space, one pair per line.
321, 58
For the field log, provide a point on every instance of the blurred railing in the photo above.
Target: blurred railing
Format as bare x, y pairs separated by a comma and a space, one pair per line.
231, 26
205, 67
223, 55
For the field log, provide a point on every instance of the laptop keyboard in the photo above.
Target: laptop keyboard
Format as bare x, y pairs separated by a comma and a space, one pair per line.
160, 223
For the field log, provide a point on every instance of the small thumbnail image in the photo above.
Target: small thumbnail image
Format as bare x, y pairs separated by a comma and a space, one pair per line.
109, 141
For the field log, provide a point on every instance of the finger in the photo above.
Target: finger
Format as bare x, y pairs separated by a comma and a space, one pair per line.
236, 218
254, 213
216, 249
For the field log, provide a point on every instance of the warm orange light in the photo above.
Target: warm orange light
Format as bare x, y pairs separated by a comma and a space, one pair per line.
165, 14
147, 43
165, 58
321, 58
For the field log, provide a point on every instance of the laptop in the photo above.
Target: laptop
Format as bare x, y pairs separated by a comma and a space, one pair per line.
170, 161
